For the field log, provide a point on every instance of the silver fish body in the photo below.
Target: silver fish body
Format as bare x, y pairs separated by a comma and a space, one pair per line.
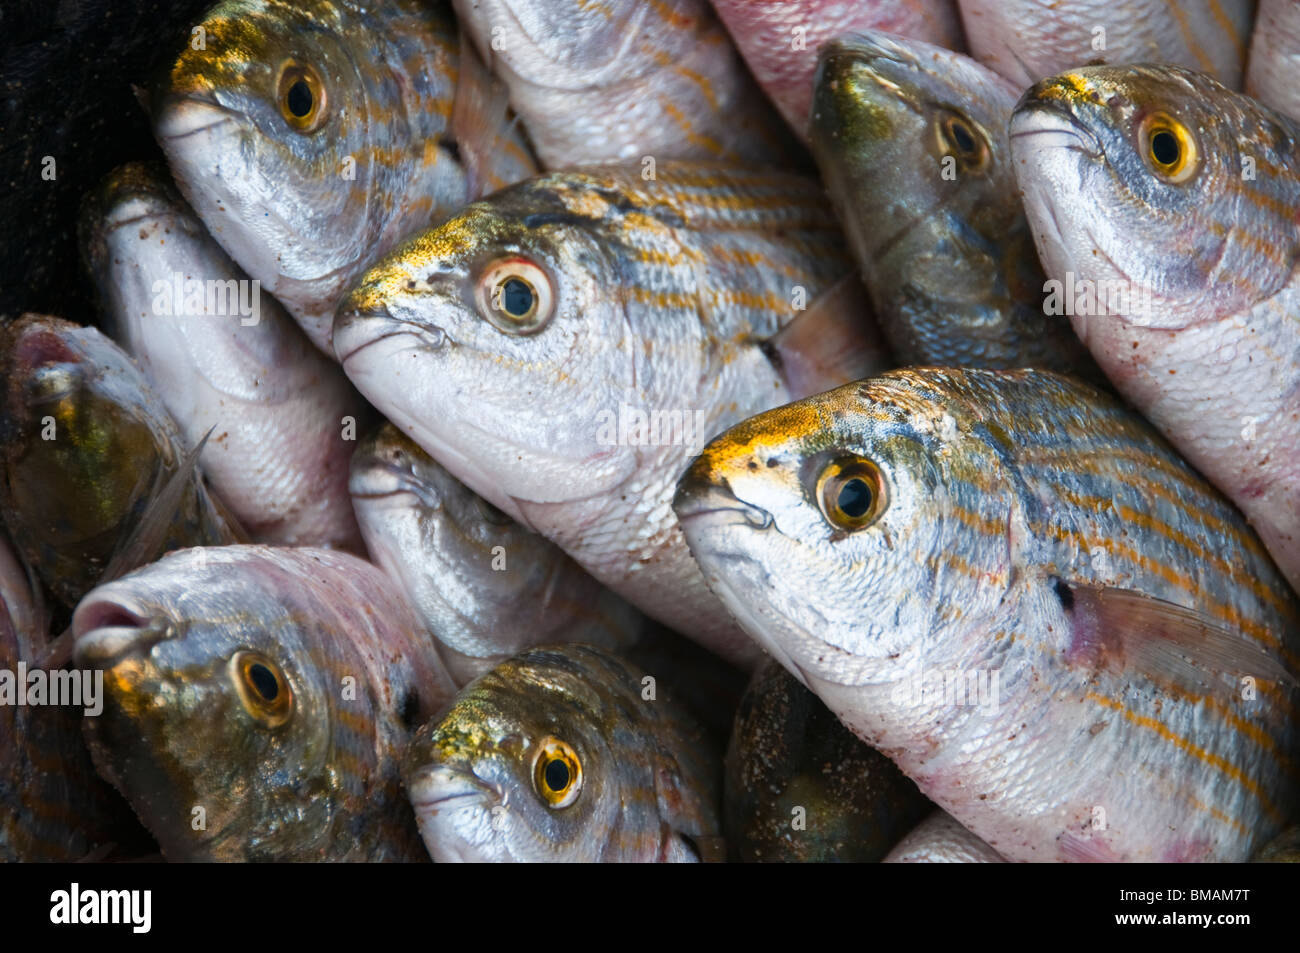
941, 840
1008, 583
1275, 56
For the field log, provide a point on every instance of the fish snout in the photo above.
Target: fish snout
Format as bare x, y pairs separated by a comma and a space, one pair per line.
106, 630
700, 494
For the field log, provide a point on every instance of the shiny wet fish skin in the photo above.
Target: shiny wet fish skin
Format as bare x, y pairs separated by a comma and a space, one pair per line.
312, 136
277, 455
274, 688
912, 135
625, 79
941, 840
1205, 342
1025, 526
1025, 40
1275, 56
558, 755
657, 297
780, 41
87, 447
484, 586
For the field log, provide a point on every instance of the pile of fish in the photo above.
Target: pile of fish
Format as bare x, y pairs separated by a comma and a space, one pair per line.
546, 430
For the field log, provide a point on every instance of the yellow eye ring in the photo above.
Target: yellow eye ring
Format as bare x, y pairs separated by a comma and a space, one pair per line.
1168, 147
851, 493
557, 773
300, 94
262, 688
515, 296
962, 139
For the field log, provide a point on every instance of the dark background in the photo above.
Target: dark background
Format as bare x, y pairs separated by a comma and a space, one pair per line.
66, 69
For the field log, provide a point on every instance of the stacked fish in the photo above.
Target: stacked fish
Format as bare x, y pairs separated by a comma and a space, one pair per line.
652, 431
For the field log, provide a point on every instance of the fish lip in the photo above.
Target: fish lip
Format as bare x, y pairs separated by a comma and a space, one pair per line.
1039, 116
105, 631
693, 503
180, 117
454, 788
431, 336
382, 480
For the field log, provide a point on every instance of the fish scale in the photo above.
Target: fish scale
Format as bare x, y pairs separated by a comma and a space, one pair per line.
984, 560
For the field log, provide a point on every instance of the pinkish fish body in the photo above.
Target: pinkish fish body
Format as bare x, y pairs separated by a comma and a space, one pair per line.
1275, 57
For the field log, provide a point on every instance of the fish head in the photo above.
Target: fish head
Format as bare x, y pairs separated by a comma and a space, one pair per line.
1155, 181
211, 701
819, 523
521, 767
467, 334
559, 46
267, 119
932, 121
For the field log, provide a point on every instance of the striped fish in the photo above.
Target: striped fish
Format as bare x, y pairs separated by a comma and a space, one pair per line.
561, 754
1025, 40
1275, 57
311, 136
484, 586
914, 136
941, 840
53, 807
97, 478
780, 40
599, 81
1008, 583
1178, 197
564, 347
258, 701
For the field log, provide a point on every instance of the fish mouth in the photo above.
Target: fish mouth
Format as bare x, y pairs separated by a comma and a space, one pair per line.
359, 329
383, 479
1053, 125
107, 630
180, 117
694, 502
436, 789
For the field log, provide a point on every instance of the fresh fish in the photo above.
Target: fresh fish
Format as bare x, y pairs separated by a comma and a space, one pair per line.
311, 136
1171, 202
519, 342
915, 136
800, 788
941, 840
1010, 585
1026, 40
52, 804
88, 453
1285, 848
780, 40
623, 80
237, 366
258, 700
558, 755
1275, 57
482, 584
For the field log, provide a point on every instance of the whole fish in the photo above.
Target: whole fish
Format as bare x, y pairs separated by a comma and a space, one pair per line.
311, 136
1275, 56
258, 700
780, 40
558, 755
914, 136
88, 452
53, 807
1284, 849
229, 361
1163, 204
941, 840
801, 788
625, 79
484, 586
1025, 40
565, 346
1010, 585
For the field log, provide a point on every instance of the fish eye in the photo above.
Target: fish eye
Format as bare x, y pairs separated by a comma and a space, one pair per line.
515, 296
262, 688
851, 493
961, 139
1168, 147
301, 96
557, 773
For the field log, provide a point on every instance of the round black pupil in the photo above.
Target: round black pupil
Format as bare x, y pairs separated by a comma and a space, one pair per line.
557, 775
517, 297
855, 498
1164, 147
962, 138
300, 98
264, 682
